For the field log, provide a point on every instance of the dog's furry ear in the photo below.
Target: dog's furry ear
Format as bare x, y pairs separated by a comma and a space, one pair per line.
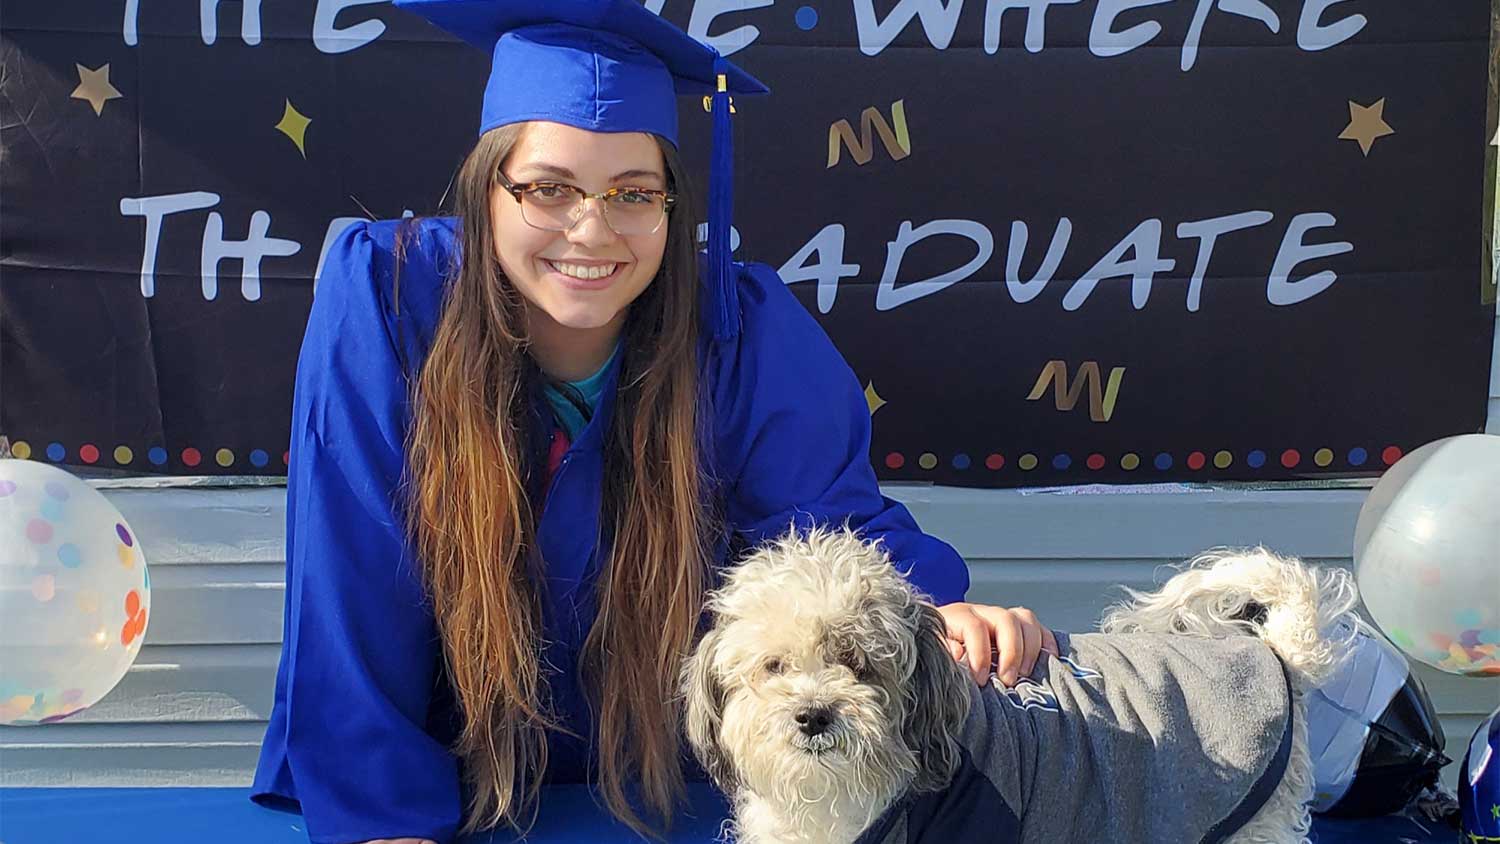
937, 702
703, 712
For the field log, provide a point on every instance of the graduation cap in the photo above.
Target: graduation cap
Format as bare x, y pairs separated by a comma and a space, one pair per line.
605, 66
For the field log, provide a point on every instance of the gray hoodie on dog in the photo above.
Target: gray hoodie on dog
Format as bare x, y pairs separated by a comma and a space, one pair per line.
1127, 737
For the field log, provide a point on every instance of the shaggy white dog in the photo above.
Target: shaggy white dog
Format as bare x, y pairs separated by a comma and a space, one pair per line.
823, 701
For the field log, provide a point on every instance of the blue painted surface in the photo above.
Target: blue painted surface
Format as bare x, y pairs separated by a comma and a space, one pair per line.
568, 816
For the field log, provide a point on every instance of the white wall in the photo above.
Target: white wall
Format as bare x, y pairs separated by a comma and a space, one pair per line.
193, 708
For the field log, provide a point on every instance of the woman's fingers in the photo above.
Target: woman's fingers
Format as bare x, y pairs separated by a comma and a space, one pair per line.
1010, 642
968, 638
1035, 635
995, 640
976, 636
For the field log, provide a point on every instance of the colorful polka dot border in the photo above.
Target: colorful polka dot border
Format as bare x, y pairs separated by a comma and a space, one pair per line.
123, 455
1130, 461
1197, 460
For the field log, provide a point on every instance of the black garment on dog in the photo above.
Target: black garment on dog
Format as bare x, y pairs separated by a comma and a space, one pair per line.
1127, 737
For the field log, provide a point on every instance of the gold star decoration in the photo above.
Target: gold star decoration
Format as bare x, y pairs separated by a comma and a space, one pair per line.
1366, 123
1495, 811
873, 398
294, 125
93, 85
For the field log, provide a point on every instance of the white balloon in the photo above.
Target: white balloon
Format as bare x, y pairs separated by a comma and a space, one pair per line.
74, 594
1427, 554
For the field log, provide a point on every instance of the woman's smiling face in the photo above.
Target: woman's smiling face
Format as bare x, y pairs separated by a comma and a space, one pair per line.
578, 284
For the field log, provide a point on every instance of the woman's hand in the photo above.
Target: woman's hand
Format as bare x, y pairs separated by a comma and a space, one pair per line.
1012, 638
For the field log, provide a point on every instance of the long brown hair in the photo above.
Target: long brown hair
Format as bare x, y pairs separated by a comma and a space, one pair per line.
474, 527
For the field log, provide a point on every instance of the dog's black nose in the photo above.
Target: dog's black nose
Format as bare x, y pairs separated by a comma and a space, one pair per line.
814, 720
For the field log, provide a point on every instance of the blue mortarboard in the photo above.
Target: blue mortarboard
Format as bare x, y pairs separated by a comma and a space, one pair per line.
605, 66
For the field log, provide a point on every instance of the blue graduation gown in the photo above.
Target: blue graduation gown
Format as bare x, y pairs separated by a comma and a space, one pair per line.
363, 718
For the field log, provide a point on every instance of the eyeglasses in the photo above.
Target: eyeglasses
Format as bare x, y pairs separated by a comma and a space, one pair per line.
557, 206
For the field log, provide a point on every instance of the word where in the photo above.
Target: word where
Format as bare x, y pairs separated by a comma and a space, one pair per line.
939, 22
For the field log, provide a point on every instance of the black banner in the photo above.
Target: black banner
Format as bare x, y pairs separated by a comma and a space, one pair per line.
1059, 241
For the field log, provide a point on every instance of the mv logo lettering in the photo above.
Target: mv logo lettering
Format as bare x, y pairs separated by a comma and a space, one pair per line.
1101, 396
897, 142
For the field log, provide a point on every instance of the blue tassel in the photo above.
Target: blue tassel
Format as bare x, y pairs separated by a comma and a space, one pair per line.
721, 211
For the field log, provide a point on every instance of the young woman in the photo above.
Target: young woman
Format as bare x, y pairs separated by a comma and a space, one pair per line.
525, 437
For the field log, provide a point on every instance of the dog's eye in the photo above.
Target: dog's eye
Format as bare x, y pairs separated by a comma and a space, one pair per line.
773, 666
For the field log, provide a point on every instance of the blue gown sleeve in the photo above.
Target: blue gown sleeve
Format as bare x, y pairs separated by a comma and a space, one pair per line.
361, 650
794, 439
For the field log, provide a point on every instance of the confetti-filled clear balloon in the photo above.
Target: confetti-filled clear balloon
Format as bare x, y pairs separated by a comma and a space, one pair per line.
1427, 554
74, 594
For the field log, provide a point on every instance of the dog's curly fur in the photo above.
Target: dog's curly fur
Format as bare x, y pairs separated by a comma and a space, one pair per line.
1293, 608
820, 626
821, 621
